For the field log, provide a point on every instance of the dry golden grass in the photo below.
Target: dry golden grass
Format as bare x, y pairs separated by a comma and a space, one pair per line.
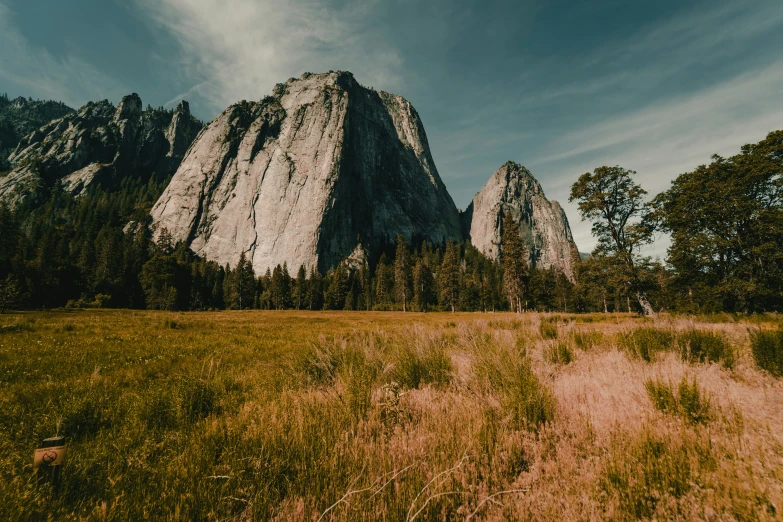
387, 416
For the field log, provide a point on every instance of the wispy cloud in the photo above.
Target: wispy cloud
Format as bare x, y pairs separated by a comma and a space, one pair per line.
665, 139
666, 133
35, 72
240, 51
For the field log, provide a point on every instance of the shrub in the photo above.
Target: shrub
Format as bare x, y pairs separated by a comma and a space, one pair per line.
646, 343
689, 401
706, 346
559, 353
767, 348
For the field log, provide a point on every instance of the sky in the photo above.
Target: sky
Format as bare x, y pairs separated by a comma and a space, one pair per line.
561, 87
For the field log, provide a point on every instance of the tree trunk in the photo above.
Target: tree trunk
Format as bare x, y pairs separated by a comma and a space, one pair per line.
645, 304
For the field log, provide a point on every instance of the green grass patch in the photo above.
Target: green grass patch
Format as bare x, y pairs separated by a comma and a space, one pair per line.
559, 352
648, 475
646, 343
587, 339
687, 400
706, 347
767, 349
548, 329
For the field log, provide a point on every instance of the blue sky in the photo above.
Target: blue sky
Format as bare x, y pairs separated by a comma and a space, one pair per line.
560, 87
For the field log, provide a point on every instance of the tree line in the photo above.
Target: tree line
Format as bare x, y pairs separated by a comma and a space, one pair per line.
725, 220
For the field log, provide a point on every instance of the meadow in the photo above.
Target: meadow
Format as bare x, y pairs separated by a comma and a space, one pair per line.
307, 416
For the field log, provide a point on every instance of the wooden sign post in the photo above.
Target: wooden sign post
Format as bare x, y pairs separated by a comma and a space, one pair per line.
49, 459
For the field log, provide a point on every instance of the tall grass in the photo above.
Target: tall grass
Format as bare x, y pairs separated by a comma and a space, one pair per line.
350, 416
646, 343
650, 474
559, 352
767, 349
688, 400
706, 346
548, 328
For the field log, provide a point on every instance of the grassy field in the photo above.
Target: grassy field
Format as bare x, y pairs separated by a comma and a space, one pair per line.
391, 416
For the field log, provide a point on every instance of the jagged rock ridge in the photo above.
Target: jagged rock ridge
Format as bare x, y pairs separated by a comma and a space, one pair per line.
305, 175
100, 144
19, 117
543, 223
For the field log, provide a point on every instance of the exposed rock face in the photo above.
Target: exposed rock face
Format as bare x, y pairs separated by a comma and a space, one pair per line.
101, 144
19, 117
299, 176
543, 223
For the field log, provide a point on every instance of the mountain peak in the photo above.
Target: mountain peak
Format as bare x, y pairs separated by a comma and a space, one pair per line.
543, 224
297, 177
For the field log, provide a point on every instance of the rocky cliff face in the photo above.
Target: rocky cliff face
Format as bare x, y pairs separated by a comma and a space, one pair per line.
19, 117
100, 144
543, 223
305, 175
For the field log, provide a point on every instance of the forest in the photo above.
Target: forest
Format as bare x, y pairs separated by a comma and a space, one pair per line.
725, 220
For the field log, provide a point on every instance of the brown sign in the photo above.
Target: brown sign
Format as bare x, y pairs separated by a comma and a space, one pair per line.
49, 456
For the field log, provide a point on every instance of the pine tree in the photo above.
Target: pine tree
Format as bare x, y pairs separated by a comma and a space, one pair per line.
165, 243
280, 287
316, 290
449, 276
366, 298
338, 288
402, 272
384, 281
423, 286
245, 281
513, 255
301, 287
9, 294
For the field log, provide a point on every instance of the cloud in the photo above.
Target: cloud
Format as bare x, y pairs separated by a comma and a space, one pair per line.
241, 51
35, 72
705, 81
667, 138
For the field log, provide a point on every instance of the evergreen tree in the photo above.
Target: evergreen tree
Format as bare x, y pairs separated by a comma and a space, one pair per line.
366, 297
9, 294
384, 282
449, 276
514, 259
423, 287
243, 285
301, 288
402, 273
280, 287
316, 290
159, 281
338, 288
